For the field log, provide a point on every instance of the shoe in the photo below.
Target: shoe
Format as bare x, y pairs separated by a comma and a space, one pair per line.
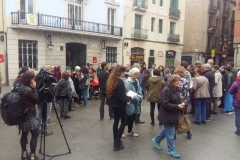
71, 109
237, 133
173, 154
25, 155
89, 98
123, 135
67, 117
228, 112
111, 118
139, 121
61, 116
214, 113
208, 119
47, 133
195, 122
101, 118
51, 123
35, 157
189, 135
203, 122
118, 146
152, 123
76, 105
132, 134
83, 105
157, 145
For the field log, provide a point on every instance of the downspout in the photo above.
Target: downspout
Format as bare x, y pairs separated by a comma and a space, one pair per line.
122, 51
6, 63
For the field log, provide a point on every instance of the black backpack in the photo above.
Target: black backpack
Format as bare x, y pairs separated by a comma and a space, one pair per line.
11, 108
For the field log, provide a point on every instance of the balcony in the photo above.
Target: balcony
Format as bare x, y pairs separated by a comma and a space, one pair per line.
232, 1
212, 9
175, 38
140, 5
174, 13
139, 33
225, 14
212, 29
60, 24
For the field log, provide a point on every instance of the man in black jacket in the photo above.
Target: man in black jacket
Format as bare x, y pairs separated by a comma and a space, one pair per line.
231, 64
211, 79
102, 78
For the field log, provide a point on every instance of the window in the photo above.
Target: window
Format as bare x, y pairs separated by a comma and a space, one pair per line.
151, 53
27, 53
219, 4
217, 22
74, 12
210, 20
174, 4
153, 1
160, 27
30, 6
172, 27
111, 17
111, 54
138, 21
26, 6
216, 41
152, 24
161, 3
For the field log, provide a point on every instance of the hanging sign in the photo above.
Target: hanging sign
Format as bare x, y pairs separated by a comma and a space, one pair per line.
213, 52
94, 59
137, 57
1, 58
170, 53
32, 19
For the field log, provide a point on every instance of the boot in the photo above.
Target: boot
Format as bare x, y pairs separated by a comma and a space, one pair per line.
35, 157
76, 105
118, 145
25, 155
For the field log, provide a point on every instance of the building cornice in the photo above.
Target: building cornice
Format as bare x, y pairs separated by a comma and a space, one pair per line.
112, 2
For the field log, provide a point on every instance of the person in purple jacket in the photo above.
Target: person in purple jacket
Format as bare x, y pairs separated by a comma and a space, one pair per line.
234, 90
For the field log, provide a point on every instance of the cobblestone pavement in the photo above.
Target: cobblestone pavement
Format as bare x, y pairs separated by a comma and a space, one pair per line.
91, 139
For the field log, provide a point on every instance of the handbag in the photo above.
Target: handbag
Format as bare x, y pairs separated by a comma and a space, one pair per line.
184, 124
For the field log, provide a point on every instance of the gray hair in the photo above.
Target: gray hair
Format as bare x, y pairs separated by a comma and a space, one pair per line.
45, 67
136, 65
133, 71
211, 61
207, 66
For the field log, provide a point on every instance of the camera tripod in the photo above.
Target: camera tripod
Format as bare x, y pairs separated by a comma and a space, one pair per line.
44, 123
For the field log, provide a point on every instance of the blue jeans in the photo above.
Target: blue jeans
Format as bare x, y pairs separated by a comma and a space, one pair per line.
168, 131
237, 119
200, 104
84, 95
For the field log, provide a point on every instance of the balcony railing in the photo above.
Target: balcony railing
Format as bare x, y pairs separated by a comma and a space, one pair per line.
139, 33
174, 13
225, 14
212, 9
232, 1
140, 4
173, 38
212, 29
43, 20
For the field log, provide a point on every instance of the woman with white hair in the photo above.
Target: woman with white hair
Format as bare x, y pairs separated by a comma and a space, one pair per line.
132, 84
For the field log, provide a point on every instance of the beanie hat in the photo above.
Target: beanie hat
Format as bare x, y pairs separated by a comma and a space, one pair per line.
77, 68
68, 68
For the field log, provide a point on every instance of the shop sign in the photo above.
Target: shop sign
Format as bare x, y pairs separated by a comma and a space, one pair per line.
94, 59
170, 53
1, 58
137, 57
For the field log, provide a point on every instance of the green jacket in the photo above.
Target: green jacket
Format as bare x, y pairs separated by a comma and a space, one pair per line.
63, 88
134, 105
156, 85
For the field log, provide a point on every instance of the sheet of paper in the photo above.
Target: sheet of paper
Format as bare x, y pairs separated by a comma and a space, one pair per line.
131, 94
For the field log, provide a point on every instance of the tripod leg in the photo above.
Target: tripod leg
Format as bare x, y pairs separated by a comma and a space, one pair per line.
61, 127
40, 149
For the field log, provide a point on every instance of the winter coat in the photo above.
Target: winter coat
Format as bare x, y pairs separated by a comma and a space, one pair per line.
168, 113
72, 84
155, 85
82, 81
229, 79
183, 89
211, 80
63, 88
201, 87
29, 98
57, 75
145, 80
217, 89
134, 105
234, 91
75, 79
189, 79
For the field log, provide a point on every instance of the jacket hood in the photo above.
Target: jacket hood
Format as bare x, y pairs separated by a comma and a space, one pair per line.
62, 82
155, 79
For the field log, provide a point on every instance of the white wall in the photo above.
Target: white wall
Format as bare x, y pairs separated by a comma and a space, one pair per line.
51, 7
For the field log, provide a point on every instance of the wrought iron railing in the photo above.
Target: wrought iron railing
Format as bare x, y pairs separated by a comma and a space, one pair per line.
141, 4
212, 9
173, 38
139, 33
24, 18
225, 14
212, 29
174, 13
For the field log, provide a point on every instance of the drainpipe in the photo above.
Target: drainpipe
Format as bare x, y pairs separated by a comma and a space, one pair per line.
122, 51
6, 62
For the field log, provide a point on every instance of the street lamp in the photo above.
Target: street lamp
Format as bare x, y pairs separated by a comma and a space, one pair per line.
225, 38
220, 41
229, 41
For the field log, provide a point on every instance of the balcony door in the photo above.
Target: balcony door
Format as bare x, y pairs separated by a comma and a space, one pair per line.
172, 28
138, 25
26, 7
75, 13
174, 4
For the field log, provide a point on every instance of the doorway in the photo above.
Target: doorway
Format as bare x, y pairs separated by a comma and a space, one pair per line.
75, 55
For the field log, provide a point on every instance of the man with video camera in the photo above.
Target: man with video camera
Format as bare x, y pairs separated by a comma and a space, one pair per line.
45, 82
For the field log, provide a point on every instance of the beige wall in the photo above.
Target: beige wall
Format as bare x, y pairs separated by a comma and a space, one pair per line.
155, 41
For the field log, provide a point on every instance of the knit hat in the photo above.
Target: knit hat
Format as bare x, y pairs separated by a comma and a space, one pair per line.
77, 68
238, 74
68, 68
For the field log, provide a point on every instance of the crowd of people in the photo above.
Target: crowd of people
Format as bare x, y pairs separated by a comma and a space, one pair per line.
206, 87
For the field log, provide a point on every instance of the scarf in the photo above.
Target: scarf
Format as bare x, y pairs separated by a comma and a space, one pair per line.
238, 82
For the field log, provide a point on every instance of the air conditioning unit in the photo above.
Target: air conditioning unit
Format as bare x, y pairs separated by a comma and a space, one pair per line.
139, 5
